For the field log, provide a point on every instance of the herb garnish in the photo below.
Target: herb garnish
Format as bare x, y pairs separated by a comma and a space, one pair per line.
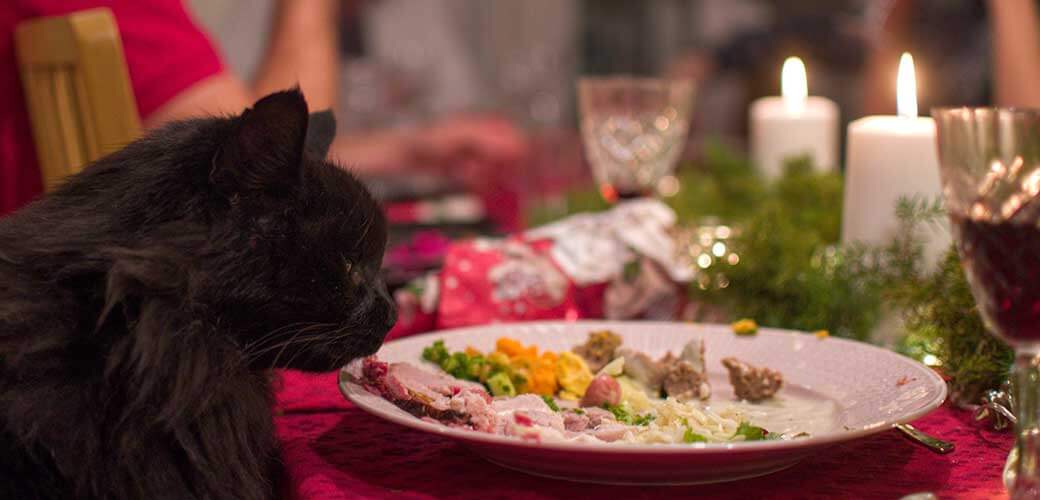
622, 415
550, 402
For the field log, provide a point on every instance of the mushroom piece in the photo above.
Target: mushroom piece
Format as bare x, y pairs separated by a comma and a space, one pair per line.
750, 382
684, 382
599, 349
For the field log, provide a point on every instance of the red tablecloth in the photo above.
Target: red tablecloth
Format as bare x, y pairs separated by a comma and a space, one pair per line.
334, 450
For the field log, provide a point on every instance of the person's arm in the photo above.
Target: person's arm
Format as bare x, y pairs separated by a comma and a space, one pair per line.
1016, 52
301, 51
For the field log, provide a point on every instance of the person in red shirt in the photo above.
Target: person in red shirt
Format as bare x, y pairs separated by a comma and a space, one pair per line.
176, 72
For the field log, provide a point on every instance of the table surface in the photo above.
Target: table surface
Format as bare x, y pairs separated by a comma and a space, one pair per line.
333, 449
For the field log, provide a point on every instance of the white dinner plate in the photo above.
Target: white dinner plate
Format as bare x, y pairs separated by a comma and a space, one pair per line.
865, 389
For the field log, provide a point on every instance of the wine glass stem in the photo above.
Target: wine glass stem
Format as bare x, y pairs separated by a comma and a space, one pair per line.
1026, 373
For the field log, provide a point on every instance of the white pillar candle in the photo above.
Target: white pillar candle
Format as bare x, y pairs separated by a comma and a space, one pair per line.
889, 157
793, 124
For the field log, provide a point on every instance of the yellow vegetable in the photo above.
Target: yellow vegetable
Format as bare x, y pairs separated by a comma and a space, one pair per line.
822, 334
572, 373
472, 351
745, 327
570, 396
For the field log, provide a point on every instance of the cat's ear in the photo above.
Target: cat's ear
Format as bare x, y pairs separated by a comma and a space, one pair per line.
265, 148
321, 129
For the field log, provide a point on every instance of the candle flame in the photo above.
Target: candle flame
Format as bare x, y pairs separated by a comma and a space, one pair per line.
793, 83
906, 87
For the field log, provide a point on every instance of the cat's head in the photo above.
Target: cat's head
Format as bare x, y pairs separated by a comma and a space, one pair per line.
296, 242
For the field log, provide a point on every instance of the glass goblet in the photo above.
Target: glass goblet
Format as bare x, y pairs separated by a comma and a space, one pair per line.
990, 171
634, 130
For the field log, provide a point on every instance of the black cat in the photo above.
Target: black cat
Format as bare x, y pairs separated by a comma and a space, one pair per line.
143, 302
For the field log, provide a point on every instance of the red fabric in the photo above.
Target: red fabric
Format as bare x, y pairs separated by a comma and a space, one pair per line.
333, 450
165, 52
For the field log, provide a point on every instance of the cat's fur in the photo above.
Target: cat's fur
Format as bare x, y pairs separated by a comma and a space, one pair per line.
143, 302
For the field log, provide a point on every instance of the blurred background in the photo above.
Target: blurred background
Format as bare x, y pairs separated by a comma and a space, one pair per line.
406, 64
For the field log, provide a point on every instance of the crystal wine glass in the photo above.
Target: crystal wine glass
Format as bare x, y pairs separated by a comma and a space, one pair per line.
990, 170
634, 130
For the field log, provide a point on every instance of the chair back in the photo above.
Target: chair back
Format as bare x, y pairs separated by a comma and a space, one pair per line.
77, 88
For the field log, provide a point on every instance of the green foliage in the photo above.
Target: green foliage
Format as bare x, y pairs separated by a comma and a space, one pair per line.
790, 273
944, 328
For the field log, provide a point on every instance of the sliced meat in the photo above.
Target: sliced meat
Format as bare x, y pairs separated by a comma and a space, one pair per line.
599, 416
427, 394
599, 349
548, 419
684, 382
474, 404
750, 382
525, 410
575, 422
530, 402
603, 390
609, 432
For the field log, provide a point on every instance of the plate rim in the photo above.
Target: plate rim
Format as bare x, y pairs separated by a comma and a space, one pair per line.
642, 448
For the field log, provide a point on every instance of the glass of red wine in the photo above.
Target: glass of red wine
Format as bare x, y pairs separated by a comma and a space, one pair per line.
990, 170
634, 130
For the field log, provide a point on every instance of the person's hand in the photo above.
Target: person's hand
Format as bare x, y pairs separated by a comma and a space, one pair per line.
472, 148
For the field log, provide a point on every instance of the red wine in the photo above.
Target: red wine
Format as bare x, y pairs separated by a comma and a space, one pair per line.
1002, 261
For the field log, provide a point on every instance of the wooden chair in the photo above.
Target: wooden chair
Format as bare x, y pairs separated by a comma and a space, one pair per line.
77, 89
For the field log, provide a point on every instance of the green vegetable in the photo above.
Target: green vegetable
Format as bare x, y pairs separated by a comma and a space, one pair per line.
751, 432
622, 415
436, 353
551, 403
578, 411
692, 437
500, 385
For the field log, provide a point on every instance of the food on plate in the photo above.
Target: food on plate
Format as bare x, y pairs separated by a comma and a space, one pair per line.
599, 349
518, 390
684, 382
436, 397
427, 395
745, 327
682, 377
573, 375
603, 390
750, 382
642, 368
